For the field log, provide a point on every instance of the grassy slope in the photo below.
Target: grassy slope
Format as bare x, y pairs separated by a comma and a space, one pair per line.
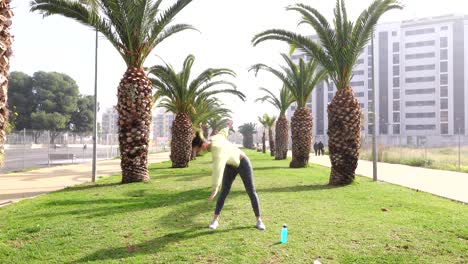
165, 221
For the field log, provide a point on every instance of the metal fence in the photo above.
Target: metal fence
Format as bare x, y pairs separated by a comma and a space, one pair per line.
430, 151
28, 149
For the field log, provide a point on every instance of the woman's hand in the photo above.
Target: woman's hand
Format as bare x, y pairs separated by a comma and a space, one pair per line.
213, 194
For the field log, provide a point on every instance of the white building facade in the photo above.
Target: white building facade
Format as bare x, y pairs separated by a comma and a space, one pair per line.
109, 121
162, 123
421, 78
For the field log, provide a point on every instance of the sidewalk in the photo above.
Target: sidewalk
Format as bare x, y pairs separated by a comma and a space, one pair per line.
17, 186
448, 184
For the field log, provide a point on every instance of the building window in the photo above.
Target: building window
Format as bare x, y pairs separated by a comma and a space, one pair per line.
420, 115
396, 129
443, 116
420, 44
396, 47
369, 84
330, 97
359, 83
331, 87
420, 79
370, 129
420, 103
396, 70
419, 31
396, 58
444, 28
420, 91
420, 55
444, 103
443, 91
394, 33
359, 94
420, 127
396, 82
396, 117
444, 54
361, 72
444, 129
362, 105
360, 61
420, 67
444, 79
396, 93
443, 42
443, 66
396, 105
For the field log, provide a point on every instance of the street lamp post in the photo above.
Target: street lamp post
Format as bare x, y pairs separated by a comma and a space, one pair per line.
374, 129
459, 161
95, 111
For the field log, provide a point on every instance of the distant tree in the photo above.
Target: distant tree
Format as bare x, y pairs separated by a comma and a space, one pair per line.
82, 118
264, 121
247, 130
54, 122
21, 99
55, 99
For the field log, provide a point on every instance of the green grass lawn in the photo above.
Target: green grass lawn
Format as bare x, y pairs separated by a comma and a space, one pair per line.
166, 221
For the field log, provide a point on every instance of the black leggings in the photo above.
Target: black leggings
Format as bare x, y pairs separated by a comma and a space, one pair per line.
246, 173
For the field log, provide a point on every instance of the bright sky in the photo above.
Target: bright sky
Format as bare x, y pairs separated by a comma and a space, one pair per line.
227, 27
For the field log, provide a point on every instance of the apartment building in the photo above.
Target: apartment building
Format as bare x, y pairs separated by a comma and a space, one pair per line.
109, 121
421, 78
162, 123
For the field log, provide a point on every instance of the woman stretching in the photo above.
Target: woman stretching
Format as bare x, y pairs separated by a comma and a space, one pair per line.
228, 161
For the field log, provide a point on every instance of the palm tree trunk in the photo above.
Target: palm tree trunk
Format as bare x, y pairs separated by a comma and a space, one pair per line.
263, 142
205, 130
134, 119
5, 52
344, 132
272, 142
282, 138
247, 141
181, 143
301, 129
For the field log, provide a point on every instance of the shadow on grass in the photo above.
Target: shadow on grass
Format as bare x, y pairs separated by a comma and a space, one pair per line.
154, 245
133, 201
89, 186
301, 188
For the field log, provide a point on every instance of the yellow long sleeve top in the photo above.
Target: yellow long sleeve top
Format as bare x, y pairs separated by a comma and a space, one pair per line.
223, 153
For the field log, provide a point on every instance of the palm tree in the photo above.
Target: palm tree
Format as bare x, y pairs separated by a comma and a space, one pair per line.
281, 103
180, 97
5, 52
204, 110
270, 123
247, 130
300, 79
217, 123
337, 51
134, 28
264, 121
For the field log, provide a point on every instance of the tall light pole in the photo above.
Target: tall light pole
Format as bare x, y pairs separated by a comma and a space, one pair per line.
374, 126
93, 179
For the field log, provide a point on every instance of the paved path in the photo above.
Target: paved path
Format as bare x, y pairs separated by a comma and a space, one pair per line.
17, 186
449, 184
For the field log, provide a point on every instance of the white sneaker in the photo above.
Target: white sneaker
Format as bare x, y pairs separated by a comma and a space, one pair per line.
214, 225
260, 225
